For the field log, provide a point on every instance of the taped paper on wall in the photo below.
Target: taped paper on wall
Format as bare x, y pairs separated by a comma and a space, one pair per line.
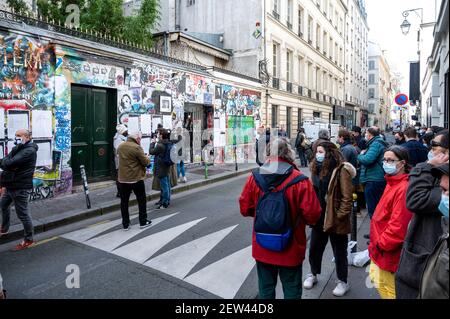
155, 121
41, 123
2, 123
10, 146
145, 144
167, 122
133, 124
2, 150
44, 153
146, 124
17, 120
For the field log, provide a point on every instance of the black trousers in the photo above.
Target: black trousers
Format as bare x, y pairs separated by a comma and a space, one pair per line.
139, 190
318, 242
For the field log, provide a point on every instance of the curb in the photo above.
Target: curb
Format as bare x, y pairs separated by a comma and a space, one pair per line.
45, 224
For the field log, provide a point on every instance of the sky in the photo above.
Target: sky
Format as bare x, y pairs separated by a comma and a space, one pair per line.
384, 18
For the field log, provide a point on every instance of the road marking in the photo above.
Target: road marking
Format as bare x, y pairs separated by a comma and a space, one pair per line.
179, 261
89, 232
114, 239
43, 241
225, 277
142, 249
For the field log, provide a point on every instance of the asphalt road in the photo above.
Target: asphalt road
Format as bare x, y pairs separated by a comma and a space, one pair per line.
198, 248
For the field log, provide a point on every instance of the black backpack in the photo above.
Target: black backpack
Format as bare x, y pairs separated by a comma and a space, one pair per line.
273, 224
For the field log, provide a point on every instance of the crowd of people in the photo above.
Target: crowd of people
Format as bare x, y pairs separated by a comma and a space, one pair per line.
404, 186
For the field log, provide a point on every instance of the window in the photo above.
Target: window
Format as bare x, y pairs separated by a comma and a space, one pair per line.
341, 25
371, 65
318, 37
371, 78
325, 42
275, 61
299, 118
190, 3
371, 93
288, 121
371, 108
331, 12
316, 114
274, 115
310, 75
289, 66
300, 71
336, 52
325, 83
331, 48
301, 22
276, 9
289, 14
310, 29
317, 86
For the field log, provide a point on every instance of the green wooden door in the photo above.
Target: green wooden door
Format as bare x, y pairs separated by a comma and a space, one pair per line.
92, 126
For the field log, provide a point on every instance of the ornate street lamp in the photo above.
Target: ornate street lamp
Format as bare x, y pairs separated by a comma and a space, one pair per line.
405, 26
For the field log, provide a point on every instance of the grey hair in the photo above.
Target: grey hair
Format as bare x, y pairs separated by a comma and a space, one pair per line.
281, 147
135, 135
324, 134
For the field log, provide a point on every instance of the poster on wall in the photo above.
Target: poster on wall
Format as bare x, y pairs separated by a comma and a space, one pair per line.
2, 150
2, 123
17, 120
146, 124
155, 121
165, 104
41, 123
197, 141
44, 152
167, 121
145, 144
10, 145
133, 124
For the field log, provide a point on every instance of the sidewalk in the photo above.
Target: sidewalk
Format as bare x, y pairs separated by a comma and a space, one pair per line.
55, 212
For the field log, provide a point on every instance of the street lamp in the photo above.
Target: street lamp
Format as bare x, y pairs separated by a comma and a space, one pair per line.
405, 26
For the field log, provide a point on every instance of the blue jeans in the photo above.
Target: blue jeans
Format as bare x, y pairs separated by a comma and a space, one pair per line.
373, 192
165, 190
180, 169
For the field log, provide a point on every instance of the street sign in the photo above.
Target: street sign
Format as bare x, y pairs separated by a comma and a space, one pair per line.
401, 99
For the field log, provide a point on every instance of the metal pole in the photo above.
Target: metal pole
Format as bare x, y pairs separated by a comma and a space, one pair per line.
85, 186
355, 209
401, 119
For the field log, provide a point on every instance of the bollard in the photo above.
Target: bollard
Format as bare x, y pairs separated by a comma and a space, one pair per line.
354, 221
85, 186
206, 170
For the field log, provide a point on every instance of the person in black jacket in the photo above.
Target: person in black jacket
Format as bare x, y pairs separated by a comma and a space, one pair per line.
299, 146
17, 182
422, 199
416, 151
162, 170
360, 141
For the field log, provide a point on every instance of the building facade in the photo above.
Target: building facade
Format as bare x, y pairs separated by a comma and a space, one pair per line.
379, 88
356, 64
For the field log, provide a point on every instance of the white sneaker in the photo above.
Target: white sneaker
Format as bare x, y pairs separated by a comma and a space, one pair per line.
310, 281
184, 179
341, 289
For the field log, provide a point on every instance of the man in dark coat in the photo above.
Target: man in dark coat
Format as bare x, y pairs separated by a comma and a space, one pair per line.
300, 147
423, 198
417, 152
17, 182
360, 141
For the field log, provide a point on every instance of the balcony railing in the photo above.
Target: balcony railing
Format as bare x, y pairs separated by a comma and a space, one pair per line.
289, 87
276, 83
300, 90
276, 15
289, 25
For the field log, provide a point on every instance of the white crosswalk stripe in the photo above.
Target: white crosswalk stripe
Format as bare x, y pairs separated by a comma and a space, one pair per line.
114, 239
142, 249
179, 261
226, 276
223, 278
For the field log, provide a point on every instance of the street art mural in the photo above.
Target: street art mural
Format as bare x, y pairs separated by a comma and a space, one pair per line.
145, 87
236, 116
27, 100
199, 89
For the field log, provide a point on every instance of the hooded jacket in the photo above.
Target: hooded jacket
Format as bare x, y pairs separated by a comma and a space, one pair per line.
118, 139
340, 200
371, 161
18, 166
302, 200
389, 224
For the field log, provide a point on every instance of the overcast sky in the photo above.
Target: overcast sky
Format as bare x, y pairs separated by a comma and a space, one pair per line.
384, 19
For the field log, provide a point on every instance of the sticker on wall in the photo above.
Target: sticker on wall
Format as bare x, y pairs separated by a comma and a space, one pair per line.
17, 120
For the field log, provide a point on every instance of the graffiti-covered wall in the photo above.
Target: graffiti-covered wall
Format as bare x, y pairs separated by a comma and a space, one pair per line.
237, 114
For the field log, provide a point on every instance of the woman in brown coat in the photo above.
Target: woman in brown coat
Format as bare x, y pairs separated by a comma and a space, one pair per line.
332, 180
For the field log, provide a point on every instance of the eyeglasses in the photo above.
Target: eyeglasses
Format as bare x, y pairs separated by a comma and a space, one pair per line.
390, 161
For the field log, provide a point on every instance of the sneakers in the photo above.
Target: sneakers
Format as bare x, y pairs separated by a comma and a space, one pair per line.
162, 206
310, 281
126, 228
147, 223
366, 236
23, 245
158, 203
184, 179
341, 289
3, 232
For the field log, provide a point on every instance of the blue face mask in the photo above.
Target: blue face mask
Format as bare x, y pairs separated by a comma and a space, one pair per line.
18, 141
390, 169
320, 157
430, 155
443, 205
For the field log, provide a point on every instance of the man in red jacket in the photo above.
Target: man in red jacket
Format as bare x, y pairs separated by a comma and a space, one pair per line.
278, 171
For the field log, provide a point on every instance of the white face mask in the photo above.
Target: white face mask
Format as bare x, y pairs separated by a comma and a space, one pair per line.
18, 141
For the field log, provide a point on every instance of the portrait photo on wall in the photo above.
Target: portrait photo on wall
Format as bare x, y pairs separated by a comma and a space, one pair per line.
165, 104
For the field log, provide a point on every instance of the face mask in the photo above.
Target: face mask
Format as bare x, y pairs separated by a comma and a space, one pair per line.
320, 157
430, 155
443, 205
18, 141
366, 137
390, 169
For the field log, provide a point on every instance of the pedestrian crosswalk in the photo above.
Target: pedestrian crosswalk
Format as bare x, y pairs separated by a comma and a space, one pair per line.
223, 277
